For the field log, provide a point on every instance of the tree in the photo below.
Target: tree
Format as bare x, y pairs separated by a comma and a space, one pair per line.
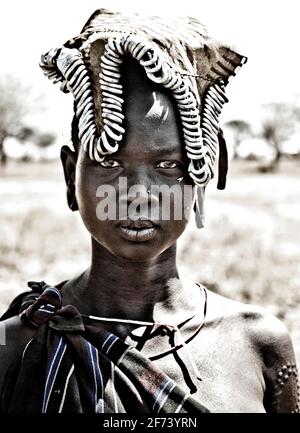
45, 139
278, 124
13, 108
240, 130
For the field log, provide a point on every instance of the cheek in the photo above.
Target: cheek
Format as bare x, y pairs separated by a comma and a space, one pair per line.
181, 209
188, 203
173, 229
180, 203
86, 195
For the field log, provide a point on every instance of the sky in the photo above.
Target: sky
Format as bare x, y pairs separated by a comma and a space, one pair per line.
266, 31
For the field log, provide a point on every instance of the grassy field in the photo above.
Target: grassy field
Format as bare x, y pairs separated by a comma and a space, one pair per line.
249, 249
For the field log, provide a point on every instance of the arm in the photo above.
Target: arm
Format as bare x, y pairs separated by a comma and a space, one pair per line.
14, 337
282, 392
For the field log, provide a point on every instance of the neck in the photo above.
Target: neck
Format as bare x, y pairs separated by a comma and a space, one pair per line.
117, 287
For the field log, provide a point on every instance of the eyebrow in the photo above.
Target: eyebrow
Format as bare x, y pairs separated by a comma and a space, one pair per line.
163, 152
159, 152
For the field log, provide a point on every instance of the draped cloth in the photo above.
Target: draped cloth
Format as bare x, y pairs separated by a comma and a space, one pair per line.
74, 366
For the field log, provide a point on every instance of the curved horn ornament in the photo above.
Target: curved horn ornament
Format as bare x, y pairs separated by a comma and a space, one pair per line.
67, 65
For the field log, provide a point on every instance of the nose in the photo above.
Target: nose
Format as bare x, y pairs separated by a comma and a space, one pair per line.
142, 192
140, 189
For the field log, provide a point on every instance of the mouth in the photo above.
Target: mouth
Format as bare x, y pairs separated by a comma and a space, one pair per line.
138, 231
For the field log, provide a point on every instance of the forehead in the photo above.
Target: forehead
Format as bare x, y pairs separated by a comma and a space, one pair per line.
151, 121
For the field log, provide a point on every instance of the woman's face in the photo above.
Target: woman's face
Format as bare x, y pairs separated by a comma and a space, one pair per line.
139, 225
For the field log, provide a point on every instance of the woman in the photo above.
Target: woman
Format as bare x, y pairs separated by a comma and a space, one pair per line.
127, 334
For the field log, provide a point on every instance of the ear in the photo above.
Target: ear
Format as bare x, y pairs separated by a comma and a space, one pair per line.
68, 159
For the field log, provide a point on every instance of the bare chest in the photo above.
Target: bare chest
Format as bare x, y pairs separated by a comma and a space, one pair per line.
221, 370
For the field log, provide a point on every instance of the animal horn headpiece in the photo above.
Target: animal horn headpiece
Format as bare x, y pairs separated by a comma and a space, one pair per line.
176, 53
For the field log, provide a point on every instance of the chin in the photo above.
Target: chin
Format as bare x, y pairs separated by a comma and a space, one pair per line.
118, 245
137, 252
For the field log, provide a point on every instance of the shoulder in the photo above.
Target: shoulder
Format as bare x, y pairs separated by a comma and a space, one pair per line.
14, 338
273, 342
270, 341
264, 330
258, 320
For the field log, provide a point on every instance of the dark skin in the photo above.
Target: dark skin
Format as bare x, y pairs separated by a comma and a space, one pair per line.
156, 145
240, 350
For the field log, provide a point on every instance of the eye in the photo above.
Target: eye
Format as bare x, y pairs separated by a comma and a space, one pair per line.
110, 163
168, 164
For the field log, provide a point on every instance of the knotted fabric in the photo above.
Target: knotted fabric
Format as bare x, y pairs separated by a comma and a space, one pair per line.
73, 366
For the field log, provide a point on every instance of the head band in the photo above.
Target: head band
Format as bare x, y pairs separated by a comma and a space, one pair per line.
196, 75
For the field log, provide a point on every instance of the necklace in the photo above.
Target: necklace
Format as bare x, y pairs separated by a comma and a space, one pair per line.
183, 343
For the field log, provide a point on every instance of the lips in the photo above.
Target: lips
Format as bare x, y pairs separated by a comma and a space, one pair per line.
137, 224
138, 231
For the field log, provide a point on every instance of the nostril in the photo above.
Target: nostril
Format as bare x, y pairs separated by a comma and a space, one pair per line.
140, 193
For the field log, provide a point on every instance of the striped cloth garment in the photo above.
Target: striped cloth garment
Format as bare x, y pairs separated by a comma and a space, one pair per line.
71, 366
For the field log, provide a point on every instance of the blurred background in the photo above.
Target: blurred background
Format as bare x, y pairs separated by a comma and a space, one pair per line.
250, 247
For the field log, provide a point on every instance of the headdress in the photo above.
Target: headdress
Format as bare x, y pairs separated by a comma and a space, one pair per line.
176, 53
